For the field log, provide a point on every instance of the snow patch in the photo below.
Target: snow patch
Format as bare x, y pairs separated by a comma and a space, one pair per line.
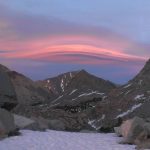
88, 94
73, 91
91, 93
93, 123
138, 97
54, 105
103, 117
56, 140
74, 99
62, 84
57, 99
104, 97
128, 85
127, 92
140, 82
70, 75
129, 111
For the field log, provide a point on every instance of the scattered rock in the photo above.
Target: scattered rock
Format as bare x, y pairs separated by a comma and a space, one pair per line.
131, 129
49, 124
28, 92
7, 125
22, 122
8, 99
135, 131
118, 131
143, 145
56, 125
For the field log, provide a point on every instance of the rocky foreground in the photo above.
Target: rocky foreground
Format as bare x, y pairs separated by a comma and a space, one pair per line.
135, 131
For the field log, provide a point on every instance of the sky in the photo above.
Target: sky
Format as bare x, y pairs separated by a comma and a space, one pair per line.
43, 38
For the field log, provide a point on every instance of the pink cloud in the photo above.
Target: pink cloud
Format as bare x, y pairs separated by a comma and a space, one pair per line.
75, 49
59, 41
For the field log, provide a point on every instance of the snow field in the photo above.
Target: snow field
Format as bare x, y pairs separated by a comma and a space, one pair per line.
56, 140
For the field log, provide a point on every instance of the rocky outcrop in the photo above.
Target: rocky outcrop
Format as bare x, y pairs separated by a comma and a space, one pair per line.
50, 124
74, 105
17, 89
23, 122
83, 87
58, 84
135, 131
37, 123
27, 91
126, 101
7, 125
69, 121
8, 98
131, 129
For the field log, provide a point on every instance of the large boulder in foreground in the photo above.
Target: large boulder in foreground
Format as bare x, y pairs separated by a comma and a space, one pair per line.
22, 122
37, 123
28, 92
135, 131
53, 124
8, 99
29, 123
7, 125
132, 128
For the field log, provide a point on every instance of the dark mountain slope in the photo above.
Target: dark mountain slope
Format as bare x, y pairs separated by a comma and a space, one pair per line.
84, 87
132, 99
58, 84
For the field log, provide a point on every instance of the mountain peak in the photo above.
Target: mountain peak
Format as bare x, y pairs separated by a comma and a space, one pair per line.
145, 72
83, 71
147, 63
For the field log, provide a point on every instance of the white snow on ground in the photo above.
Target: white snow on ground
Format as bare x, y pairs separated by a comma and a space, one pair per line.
57, 99
93, 123
129, 111
56, 140
48, 81
128, 85
93, 92
138, 97
70, 75
62, 84
140, 82
74, 99
127, 92
87, 94
54, 105
73, 91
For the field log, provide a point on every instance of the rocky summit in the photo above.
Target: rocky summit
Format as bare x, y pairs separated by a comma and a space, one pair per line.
58, 84
83, 87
